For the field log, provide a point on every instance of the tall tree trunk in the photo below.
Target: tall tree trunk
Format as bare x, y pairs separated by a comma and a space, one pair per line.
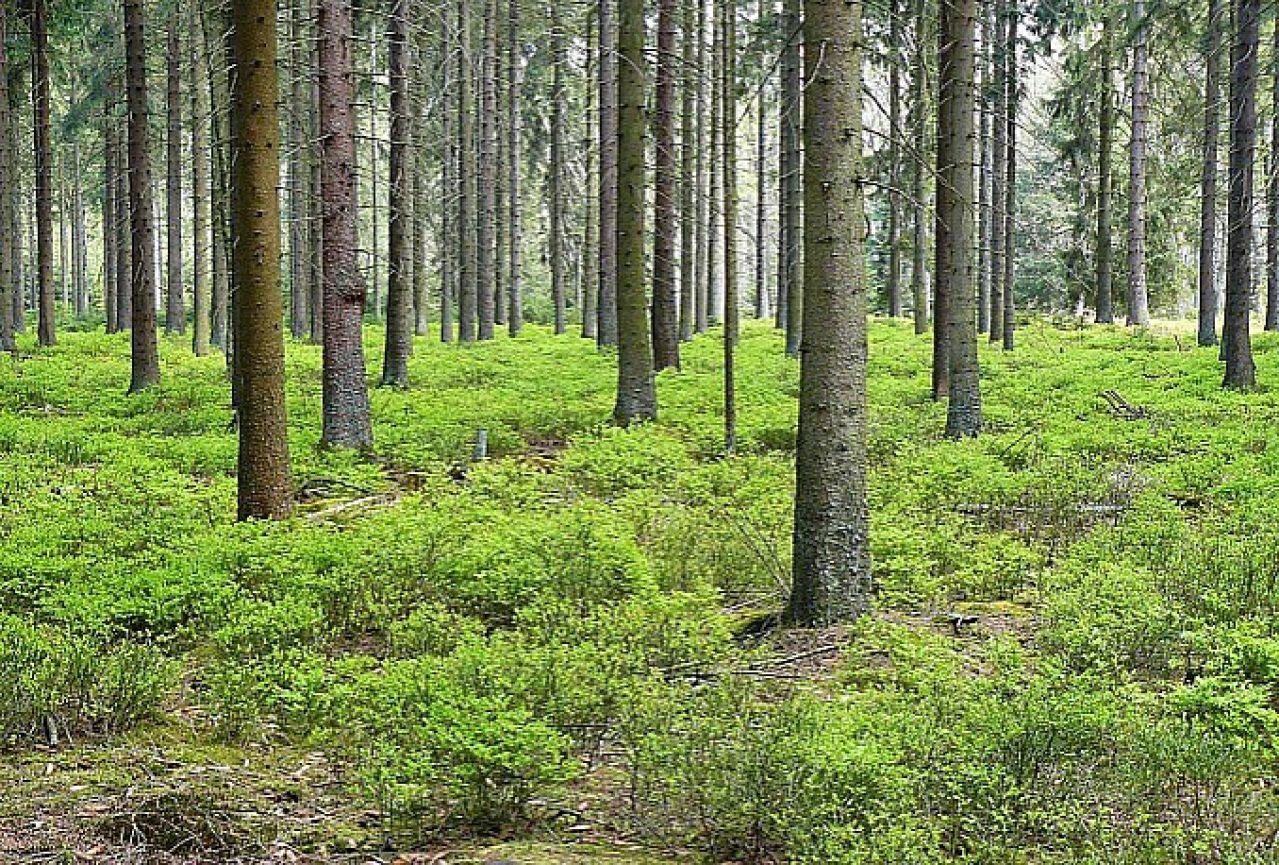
762, 306
954, 230
467, 299
919, 136
200, 192
985, 160
1013, 83
399, 298
588, 254
665, 307
215, 52
555, 175
15, 227
1240, 369
688, 170
728, 89
1105, 185
175, 319
145, 354
421, 294
346, 396
299, 211
712, 303
7, 180
832, 579
514, 122
124, 236
315, 223
265, 489
1272, 197
607, 307
997, 12
1138, 299
705, 142
44, 169
81, 244
109, 241
374, 174
450, 238
501, 189
636, 395
486, 250
1208, 180
894, 281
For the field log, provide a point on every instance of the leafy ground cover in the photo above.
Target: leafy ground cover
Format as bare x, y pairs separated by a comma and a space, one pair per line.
566, 653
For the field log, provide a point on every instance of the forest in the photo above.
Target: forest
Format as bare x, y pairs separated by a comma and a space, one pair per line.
609, 432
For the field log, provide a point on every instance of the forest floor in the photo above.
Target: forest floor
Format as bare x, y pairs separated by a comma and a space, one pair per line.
567, 653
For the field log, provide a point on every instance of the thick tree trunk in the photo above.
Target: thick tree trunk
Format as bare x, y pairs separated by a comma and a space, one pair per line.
346, 397
1138, 298
954, 230
145, 354
1105, 185
636, 395
486, 257
44, 170
665, 307
399, 297
265, 488
175, 319
832, 579
919, 136
728, 98
1240, 370
688, 171
514, 122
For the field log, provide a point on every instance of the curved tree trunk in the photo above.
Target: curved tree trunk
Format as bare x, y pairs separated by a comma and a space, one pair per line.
346, 397
636, 396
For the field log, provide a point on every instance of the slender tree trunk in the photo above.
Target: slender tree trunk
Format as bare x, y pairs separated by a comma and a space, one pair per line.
81, 236
607, 307
832, 579
299, 215
1138, 300
421, 294
514, 122
124, 237
468, 286
1272, 197
16, 200
589, 254
665, 307
713, 302
64, 244
109, 242
1013, 83
450, 238
215, 51
1240, 369
728, 89
986, 161
399, 297
145, 354
201, 191
501, 188
555, 176
44, 169
762, 305
1105, 185
954, 231
1208, 180
486, 250
175, 318
315, 223
919, 135
374, 175
894, 281
265, 488
7, 181
636, 395
688, 171
346, 397
997, 12
705, 142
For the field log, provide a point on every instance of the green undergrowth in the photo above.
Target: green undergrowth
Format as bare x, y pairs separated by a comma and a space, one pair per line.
1074, 654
